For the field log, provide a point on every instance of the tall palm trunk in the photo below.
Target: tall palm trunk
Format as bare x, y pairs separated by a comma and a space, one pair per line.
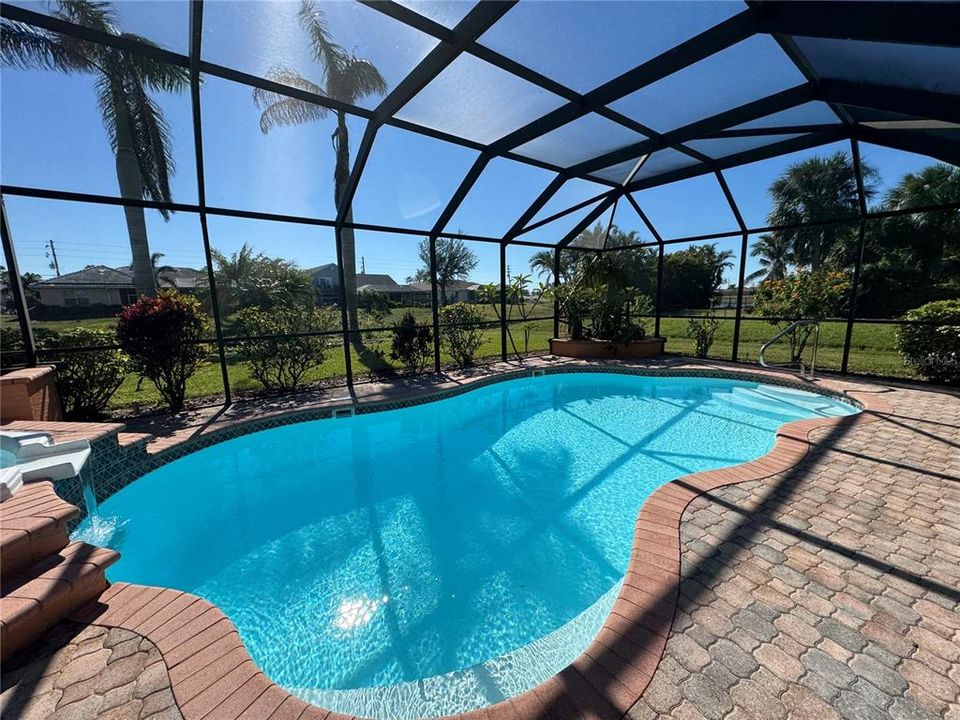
131, 188
348, 247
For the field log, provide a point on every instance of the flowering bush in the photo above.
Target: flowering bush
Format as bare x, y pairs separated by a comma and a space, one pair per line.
277, 357
934, 348
163, 336
803, 295
87, 380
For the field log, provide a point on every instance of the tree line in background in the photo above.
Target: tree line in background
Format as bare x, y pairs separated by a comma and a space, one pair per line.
908, 260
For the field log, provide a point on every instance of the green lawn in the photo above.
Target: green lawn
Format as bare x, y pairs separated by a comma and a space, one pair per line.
872, 347
8, 322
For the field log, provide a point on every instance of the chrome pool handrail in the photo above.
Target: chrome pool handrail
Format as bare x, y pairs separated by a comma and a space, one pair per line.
789, 328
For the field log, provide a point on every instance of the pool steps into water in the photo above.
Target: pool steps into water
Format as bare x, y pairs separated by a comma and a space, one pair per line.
45, 576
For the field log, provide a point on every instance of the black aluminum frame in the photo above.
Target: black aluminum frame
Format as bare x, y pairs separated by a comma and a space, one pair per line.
925, 24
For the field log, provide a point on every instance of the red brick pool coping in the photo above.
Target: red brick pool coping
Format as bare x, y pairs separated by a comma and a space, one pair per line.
214, 678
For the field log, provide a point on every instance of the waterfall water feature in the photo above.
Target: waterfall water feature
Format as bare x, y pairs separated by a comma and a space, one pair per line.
89, 493
96, 529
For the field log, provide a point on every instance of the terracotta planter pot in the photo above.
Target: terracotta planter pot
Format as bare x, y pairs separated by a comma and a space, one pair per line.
648, 347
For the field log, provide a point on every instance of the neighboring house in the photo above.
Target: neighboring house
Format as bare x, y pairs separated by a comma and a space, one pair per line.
102, 290
327, 281
385, 284
457, 290
462, 291
415, 294
727, 299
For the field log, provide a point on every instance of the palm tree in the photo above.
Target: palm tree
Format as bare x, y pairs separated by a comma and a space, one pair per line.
775, 255
346, 78
161, 272
816, 189
541, 263
927, 237
139, 135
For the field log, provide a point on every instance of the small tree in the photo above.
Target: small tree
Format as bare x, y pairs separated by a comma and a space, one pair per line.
702, 330
248, 279
620, 319
281, 363
804, 295
412, 344
934, 348
521, 299
87, 380
374, 312
576, 301
163, 336
463, 335
455, 261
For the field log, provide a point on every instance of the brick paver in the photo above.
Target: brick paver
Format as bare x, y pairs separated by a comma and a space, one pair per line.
828, 591
88, 672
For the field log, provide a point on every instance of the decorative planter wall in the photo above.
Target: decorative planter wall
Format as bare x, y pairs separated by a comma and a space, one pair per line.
30, 394
648, 347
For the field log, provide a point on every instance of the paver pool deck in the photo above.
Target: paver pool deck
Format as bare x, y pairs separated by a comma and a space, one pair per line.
821, 581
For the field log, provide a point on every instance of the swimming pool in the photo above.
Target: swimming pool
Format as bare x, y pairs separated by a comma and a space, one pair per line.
441, 557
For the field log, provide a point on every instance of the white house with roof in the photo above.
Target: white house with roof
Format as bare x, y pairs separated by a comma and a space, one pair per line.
106, 288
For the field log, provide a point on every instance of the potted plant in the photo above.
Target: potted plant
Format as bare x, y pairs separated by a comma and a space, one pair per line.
605, 313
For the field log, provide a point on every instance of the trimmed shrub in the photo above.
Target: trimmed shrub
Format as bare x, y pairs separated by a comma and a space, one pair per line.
281, 363
412, 344
463, 335
934, 350
162, 335
87, 380
12, 350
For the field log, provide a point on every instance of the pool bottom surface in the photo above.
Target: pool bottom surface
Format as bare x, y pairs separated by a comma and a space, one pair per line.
435, 559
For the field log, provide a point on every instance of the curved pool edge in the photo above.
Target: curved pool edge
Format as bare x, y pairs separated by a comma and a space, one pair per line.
238, 428
210, 669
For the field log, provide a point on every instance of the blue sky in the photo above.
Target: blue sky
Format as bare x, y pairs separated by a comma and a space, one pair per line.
52, 135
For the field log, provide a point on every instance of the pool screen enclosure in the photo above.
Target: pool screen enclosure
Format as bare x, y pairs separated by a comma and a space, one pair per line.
678, 94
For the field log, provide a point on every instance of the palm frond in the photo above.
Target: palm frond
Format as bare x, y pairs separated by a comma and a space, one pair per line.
355, 79
152, 143
284, 110
25, 46
155, 74
326, 52
93, 14
109, 94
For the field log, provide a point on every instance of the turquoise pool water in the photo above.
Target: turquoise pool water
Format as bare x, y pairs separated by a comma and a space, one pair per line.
437, 558
8, 458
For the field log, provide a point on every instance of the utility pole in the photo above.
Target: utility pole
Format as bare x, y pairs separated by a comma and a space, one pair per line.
52, 254
363, 265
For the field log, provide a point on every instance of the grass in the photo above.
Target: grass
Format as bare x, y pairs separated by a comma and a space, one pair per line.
872, 350
872, 346
207, 381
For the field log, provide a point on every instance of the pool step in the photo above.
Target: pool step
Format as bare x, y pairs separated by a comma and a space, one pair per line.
33, 525
34, 599
774, 406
